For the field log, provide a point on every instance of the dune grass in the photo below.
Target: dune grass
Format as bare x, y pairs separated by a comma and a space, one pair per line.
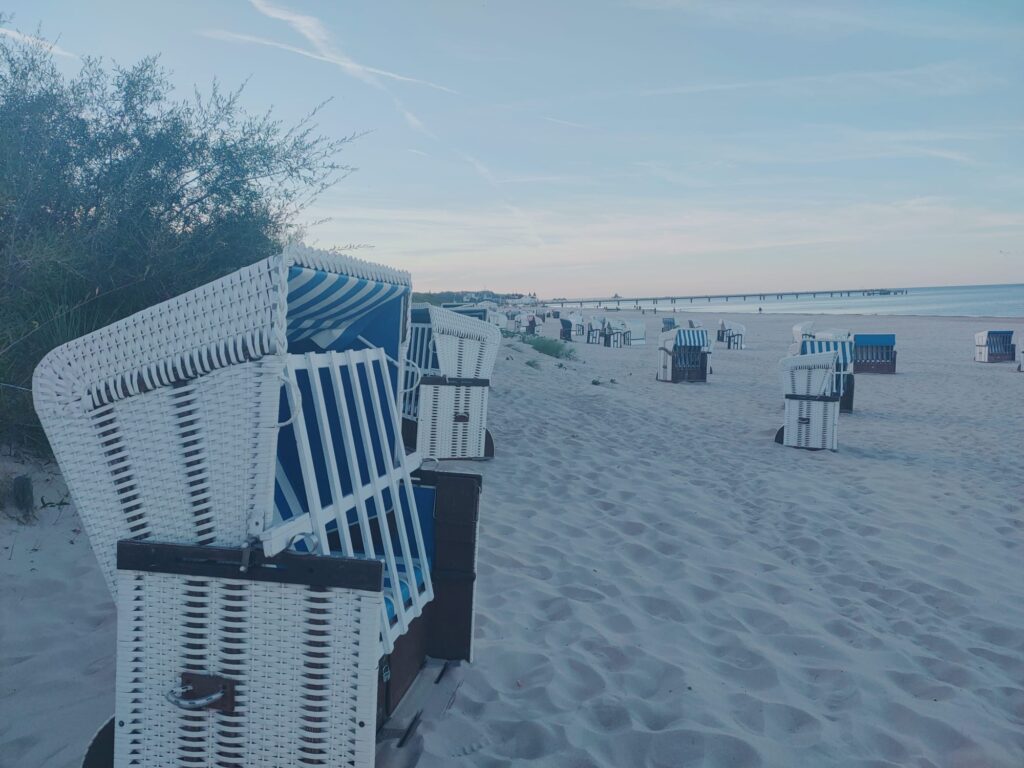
552, 347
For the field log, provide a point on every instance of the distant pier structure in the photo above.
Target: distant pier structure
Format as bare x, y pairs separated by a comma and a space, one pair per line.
671, 301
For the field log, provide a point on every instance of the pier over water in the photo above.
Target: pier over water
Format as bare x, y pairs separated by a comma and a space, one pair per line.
638, 302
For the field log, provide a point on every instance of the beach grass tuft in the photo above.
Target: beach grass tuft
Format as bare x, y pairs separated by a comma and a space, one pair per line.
552, 347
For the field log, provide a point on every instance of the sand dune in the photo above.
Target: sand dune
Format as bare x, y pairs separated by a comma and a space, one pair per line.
662, 585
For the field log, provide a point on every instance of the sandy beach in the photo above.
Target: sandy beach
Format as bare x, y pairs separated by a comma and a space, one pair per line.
662, 585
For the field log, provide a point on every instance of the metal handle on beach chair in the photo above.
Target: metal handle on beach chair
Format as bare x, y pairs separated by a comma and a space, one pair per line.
390, 359
177, 697
294, 399
419, 377
209, 692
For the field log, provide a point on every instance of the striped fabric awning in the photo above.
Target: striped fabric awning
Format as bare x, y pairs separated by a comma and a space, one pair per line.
331, 309
817, 346
692, 337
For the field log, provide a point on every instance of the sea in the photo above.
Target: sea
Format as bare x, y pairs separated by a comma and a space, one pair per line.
945, 301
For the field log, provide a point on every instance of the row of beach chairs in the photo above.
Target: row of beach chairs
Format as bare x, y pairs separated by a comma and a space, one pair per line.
818, 377
282, 562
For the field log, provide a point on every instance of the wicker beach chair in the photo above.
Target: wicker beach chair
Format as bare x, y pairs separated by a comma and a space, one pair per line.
994, 347
683, 355
668, 323
812, 402
637, 333
734, 336
252, 417
476, 311
453, 356
565, 329
844, 349
874, 353
804, 330
616, 333
595, 330
579, 327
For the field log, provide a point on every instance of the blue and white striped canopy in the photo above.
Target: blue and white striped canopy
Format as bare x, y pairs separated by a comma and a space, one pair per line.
816, 346
692, 337
331, 310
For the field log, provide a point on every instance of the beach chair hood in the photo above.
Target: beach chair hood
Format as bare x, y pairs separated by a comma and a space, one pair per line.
165, 423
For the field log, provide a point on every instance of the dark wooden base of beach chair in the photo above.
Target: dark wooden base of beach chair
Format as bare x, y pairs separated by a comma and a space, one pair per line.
565, 334
594, 336
1002, 357
691, 373
445, 628
734, 341
101, 749
721, 334
875, 366
846, 401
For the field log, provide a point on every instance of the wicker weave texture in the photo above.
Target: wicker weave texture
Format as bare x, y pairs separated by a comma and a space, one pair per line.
810, 423
304, 661
165, 423
452, 419
466, 348
191, 463
452, 422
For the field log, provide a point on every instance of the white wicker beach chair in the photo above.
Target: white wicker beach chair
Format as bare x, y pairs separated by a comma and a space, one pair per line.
994, 347
734, 339
812, 403
258, 414
243, 410
637, 333
455, 356
845, 380
579, 327
683, 355
804, 330
874, 353
615, 333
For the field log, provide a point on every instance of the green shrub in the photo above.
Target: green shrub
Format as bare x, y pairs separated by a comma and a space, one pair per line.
115, 196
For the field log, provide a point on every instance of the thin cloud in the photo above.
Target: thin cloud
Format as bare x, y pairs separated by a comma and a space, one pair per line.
315, 33
943, 77
568, 123
546, 179
39, 42
220, 34
816, 17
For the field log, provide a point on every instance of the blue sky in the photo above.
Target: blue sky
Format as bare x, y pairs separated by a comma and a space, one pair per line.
585, 147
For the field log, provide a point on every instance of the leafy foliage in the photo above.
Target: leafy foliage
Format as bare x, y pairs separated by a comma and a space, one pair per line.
115, 195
